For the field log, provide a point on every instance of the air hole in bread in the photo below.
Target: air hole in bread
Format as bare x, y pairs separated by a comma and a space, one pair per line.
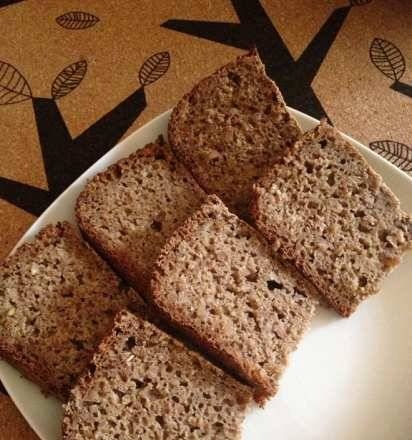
234, 77
363, 281
118, 393
156, 225
323, 143
309, 167
273, 284
130, 343
382, 235
218, 425
159, 155
160, 420
117, 171
301, 292
78, 344
67, 295
331, 179
123, 286
138, 383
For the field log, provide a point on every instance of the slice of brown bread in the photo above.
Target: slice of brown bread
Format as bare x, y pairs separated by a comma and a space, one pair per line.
58, 298
230, 127
325, 209
216, 280
128, 211
146, 385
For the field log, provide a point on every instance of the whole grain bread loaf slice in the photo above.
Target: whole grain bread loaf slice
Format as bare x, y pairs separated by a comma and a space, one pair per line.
217, 280
230, 127
144, 385
325, 209
128, 211
58, 298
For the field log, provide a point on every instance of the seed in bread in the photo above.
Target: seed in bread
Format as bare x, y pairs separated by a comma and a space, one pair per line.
217, 280
58, 298
128, 211
325, 209
230, 127
146, 385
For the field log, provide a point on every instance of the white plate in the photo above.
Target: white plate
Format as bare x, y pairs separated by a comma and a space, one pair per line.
350, 379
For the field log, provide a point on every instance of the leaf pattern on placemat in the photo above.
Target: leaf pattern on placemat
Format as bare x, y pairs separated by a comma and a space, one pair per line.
387, 58
154, 68
359, 2
68, 79
77, 20
395, 152
13, 86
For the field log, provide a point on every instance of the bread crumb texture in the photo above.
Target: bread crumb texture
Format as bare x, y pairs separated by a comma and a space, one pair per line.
217, 279
58, 299
129, 210
230, 127
329, 212
146, 385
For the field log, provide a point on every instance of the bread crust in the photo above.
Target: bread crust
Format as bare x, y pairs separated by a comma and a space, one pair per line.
18, 275
363, 198
145, 335
136, 272
210, 343
216, 162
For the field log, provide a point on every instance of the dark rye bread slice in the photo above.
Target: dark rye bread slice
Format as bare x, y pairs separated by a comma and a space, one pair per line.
146, 385
217, 280
128, 211
58, 298
230, 127
325, 209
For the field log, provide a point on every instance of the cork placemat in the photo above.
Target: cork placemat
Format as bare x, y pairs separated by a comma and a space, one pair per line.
76, 77
13, 425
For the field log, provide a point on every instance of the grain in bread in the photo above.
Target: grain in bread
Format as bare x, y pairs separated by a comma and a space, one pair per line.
230, 127
58, 298
325, 209
127, 211
146, 385
217, 280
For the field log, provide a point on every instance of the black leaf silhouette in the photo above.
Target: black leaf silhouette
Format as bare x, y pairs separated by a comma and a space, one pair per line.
255, 28
77, 20
4, 3
68, 79
397, 153
154, 68
13, 86
359, 2
387, 58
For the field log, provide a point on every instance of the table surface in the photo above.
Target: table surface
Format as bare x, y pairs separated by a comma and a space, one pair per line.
349, 61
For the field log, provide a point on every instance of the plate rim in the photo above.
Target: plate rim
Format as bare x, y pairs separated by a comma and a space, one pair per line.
83, 179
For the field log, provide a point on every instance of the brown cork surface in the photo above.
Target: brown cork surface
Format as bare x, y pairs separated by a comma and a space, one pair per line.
13, 426
348, 60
